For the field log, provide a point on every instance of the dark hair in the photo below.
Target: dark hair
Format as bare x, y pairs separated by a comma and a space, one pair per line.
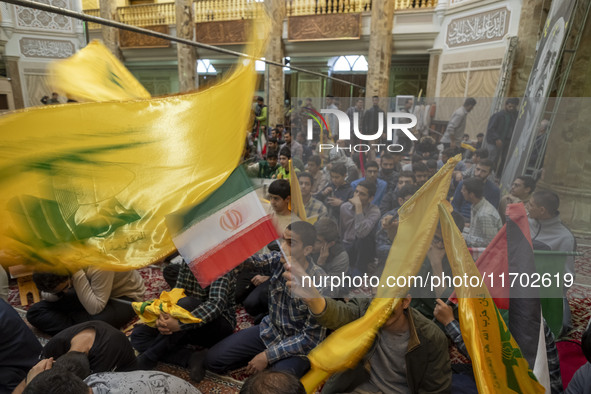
272, 154
431, 163
279, 125
285, 151
272, 139
305, 230
56, 381
408, 174
306, 175
528, 181
370, 186
327, 229
449, 153
339, 168
386, 156
280, 187
547, 199
329, 96
482, 153
419, 167
407, 190
48, 281
470, 101
512, 100
374, 97
75, 362
480, 135
372, 164
260, 98
316, 159
416, 158
272, 382
486, 163
286, 132
474, 185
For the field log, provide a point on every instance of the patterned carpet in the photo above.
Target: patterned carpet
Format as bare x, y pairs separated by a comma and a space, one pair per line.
579, 299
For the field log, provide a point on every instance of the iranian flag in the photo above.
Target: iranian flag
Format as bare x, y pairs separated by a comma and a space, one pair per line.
225, 229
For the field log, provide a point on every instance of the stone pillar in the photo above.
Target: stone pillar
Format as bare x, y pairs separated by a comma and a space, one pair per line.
533, 16
274, 83
186, 54
567, 164
12, 72
110, 35
380, 49
434, 55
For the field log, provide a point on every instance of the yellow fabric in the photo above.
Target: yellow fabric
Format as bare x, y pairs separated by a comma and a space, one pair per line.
468, 146
497, 362
296, 204
89, 184
149, 311
94, 74
417, 223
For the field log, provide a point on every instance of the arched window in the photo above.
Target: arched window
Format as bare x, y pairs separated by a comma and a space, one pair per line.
259, 66
205, 67
348, 63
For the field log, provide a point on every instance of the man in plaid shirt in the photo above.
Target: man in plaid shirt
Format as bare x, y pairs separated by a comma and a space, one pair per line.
289, 332
214, 305
485, 221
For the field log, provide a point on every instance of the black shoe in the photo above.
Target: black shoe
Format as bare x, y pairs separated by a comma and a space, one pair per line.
143, 363
197, 365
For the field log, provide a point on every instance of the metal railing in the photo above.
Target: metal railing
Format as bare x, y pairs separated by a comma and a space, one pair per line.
93, 12
148, 14
227, 10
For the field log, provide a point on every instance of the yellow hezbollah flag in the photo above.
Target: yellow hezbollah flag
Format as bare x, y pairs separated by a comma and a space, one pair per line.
499, 366
148, 311
297, 201
90, 183
94, 74
418, 219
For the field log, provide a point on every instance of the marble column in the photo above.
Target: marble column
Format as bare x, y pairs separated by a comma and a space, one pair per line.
434, 55
12, 72
380, 49
186, 54
274, 83
533, 16
567, 163
110, 35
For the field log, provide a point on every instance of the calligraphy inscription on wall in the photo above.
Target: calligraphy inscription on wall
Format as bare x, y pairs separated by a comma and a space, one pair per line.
53, 49
324, 27
128, 39
479, 28
223, 32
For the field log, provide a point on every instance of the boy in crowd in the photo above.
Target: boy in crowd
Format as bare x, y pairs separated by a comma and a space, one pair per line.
214, 305
371, 174
315, 169
409, 353
265, 168
289, 332
88, 294
358, 222
337, 192
313, 207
